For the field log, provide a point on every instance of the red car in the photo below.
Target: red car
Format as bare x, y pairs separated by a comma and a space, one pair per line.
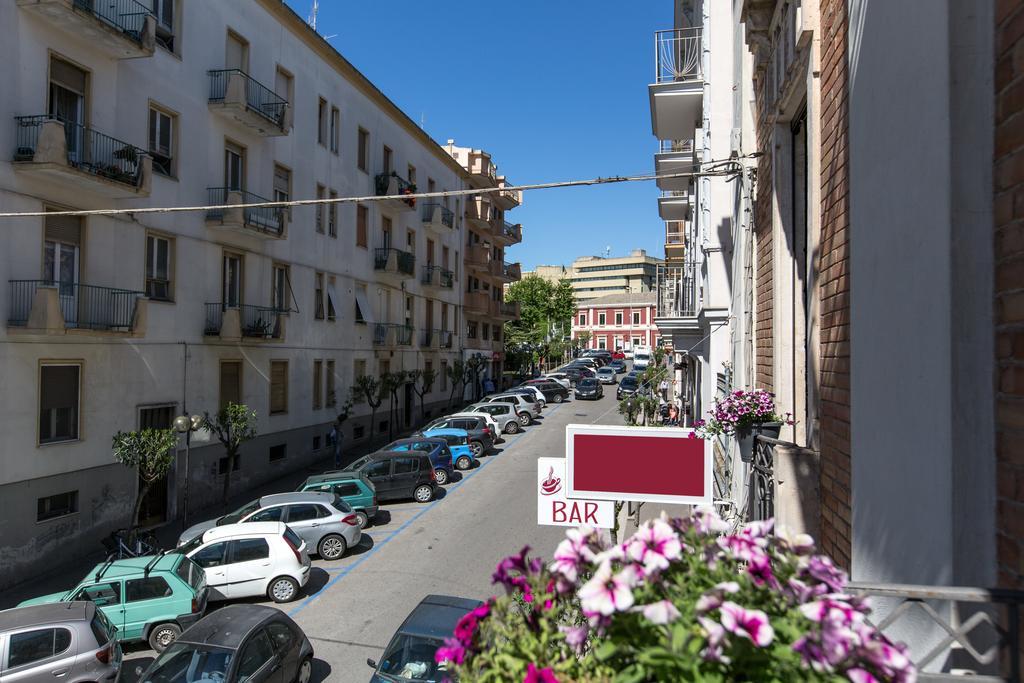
618, 355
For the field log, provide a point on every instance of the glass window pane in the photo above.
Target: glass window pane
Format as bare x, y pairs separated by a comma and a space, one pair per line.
250, 549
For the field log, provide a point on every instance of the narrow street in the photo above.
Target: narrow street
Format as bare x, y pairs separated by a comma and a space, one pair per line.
351, 607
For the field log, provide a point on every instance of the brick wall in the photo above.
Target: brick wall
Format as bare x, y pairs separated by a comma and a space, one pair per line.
834, 283
1009, 289
764, 357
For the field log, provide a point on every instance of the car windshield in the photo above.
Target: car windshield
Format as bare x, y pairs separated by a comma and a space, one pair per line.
411, 658
358, 464
184, 663
588, 383
628, 382
238, 514
190, 572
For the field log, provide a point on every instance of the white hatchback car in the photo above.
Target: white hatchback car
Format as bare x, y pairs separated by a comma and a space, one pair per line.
503, 413
251, 559
525, 408
560, 378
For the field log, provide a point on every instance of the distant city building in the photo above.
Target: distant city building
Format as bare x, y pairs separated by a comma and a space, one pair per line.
618, 321
550, 273
597, 276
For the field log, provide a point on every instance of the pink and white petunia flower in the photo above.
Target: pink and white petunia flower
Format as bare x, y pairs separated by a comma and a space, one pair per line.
654, 545
661, 612
606, 593
750, 624
716, 641
572, 553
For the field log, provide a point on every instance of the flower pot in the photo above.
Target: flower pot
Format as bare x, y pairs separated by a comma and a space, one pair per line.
745, 441
769, 429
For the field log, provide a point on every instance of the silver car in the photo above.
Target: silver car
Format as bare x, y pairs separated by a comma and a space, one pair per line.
67, 641
323, 520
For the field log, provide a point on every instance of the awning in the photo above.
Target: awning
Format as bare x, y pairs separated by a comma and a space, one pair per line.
364, 305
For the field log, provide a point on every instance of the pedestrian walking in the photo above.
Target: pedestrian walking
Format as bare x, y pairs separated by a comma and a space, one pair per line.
335, 437
488, 385
663, 387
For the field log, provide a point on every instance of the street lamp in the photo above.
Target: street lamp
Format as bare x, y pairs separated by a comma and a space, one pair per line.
186, 424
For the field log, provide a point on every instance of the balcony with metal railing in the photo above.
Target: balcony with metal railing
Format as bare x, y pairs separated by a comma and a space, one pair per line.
436, 276
509, 272
507, 310
75, 157
506, 233
241, 98
392, 334
234, 322
393, 186
478, 258
677, 92
122, 29
477, 303
480, 214
674, 156
444, 338
263, 221
674, 205
507, 199
677, 301
438, 217
393, 262
482, 172
48, 307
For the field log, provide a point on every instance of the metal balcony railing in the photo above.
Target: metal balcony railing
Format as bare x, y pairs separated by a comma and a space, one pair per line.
382, 186
509, 308
88, 150
382, 334
677, 291
426, 337
444, 338
666, 146
82, 306
269, 219
257, 322
406, 261
126, 16
258, 97
403, 335
677, 55
447, 215
510, 270
513, 231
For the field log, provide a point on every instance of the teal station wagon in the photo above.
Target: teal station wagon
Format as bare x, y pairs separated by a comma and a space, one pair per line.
152, 598
354, 488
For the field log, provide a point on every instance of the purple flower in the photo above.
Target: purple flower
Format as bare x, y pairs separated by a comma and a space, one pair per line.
654, 545
572, 554
760, 570
715, 634
750, 624
706, 522
858, 675
575, 636
451, 651
535, 675
661, 612
606, 594
712, 599
821, 568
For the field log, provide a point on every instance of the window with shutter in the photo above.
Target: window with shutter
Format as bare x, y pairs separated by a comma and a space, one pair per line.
362, 218
278, 387
161, 138
331, 399
58, 402
158, 268
283, 187
318, 367
230, 382
332, 216
321, 121
321, 193
335, 128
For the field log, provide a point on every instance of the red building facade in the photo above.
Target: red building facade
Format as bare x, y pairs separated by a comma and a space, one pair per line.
617, 321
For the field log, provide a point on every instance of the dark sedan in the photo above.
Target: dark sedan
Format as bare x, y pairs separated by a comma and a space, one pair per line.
410, 654
553, 391
627, 387
234, 644
589, 388
481, 440
619, 365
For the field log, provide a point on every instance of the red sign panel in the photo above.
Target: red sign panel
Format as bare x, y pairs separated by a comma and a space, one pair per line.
648, 464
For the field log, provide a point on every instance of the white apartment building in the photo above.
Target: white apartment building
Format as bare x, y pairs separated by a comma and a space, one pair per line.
597, 276
121, 322
487, 235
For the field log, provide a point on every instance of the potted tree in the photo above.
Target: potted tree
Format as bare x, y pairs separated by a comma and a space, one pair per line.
743, 414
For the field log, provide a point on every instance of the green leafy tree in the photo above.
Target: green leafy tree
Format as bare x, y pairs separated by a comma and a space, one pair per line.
563, 305
474, 373
422, 383
371, 391
456, 372
582, 339
233, 425
150, 453
542, 304
391, 382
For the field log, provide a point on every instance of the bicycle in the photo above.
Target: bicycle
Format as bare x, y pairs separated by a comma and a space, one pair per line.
120, 545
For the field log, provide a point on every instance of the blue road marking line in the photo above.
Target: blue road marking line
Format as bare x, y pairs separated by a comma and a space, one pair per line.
345, 571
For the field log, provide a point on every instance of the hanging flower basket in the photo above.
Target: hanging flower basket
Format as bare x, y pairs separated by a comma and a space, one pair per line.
743, 414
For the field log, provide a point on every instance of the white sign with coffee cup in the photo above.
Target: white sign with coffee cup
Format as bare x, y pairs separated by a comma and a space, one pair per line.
554, 509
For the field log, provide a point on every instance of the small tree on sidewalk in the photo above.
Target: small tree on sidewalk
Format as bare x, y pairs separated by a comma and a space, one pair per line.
150, 453
474, 369
369, 390
233, 425
391, 382
422, 384
456, 374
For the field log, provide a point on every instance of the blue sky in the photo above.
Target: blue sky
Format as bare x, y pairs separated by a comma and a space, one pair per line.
553, 89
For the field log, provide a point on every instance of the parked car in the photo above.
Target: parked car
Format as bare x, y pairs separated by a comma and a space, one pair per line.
553, 391
525, 408
618, 365
436, 449
607, 375
398, 478
589, 388
152, 598
410, 654
641, 359
530, 392
618, 355
504, 414
458, 444
559, 378
480, 439
587, 362
313, 515
354, 488
254, 559
236, 644
627, 386
492, 426
72, 642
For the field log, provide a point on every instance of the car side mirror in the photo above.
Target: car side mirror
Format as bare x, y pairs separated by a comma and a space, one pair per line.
371, 663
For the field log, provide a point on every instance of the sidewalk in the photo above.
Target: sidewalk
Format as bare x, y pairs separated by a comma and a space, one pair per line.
67, 576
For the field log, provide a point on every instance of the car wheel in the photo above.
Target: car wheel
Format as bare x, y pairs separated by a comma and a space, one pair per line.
442, 476
305, 672
331, 547
558, 398
423, 493
476, 448
162, 635
283, 589
362, 518
512, 427
524, 419
464, 462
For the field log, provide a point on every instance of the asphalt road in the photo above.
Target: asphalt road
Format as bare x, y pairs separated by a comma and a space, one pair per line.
352, 606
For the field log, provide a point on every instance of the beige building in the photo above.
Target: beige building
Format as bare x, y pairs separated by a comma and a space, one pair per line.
595, 276
550, 273
487, 234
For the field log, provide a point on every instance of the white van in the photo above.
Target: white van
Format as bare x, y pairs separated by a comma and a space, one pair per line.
641, 358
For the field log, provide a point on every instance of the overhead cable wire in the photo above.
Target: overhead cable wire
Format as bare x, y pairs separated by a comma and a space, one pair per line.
369, 198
